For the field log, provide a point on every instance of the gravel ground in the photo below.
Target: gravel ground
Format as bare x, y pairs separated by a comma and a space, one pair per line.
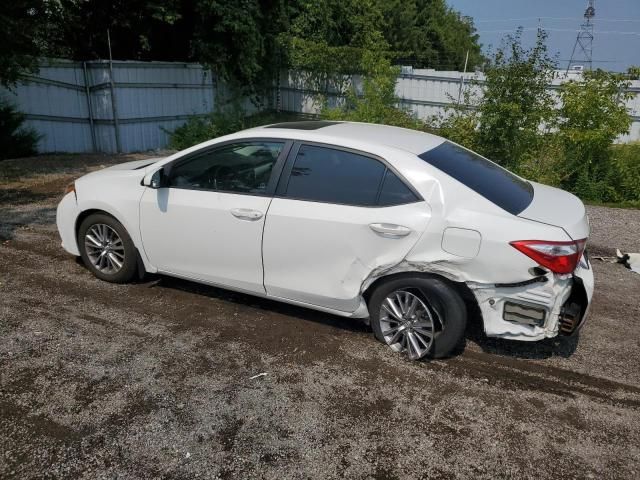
156, 379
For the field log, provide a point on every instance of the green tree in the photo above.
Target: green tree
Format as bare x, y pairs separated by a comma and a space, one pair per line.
326, 41
593, 115
429, 34
16, 139
633, 73
26, 34
516, 102
377, 101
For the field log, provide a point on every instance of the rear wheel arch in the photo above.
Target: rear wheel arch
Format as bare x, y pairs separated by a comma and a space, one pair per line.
463, 290
474, 314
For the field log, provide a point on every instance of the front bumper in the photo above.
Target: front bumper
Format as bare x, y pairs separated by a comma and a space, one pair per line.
553, 299
66, 216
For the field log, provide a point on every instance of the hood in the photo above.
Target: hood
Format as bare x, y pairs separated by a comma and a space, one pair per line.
559, 208
135, 169
135, 165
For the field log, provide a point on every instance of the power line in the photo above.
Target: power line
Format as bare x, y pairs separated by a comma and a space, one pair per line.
572, 19
605, 32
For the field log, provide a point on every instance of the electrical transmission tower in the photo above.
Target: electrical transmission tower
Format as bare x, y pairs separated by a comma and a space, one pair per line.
584, 40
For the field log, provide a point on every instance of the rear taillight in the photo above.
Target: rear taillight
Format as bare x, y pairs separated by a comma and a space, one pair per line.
559, 257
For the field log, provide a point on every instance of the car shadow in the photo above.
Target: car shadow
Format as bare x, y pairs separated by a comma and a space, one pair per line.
552, 347
247, 300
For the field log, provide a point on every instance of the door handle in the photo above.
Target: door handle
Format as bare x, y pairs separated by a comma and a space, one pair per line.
390, 230
246, 214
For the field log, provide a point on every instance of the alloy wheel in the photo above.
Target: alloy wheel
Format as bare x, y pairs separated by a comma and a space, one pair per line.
104, 248
409, 323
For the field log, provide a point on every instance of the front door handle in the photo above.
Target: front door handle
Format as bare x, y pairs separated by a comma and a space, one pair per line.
390, 230
246, 214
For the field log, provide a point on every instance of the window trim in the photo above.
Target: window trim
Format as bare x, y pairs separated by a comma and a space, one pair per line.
276, 171
285, 176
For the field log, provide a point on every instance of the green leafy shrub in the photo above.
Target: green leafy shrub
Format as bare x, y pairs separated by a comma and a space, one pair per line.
593, 114
16, 139
200, 129
518, 124
516, 101
378, 102
626, 177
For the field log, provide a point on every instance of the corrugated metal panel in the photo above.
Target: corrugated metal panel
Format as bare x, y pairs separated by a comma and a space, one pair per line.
427, 93
151, 97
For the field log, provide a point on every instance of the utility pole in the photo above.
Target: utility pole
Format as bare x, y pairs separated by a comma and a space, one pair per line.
584, 40
114, 103
466, 61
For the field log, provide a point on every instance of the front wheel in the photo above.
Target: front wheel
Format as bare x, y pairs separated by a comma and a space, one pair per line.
418, 316
107, 249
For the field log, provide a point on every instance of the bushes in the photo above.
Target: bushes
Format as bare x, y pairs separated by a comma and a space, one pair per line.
625, 159
15, 138
517, 124
377, 103
200, 129
592, 116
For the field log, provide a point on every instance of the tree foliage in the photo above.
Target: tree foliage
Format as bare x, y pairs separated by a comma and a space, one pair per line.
516, 102
246, 41
27, 33
375, 101
429, 34
16, 139
565, 139
592, 116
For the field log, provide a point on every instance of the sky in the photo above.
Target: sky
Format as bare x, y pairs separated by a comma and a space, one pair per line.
616, 44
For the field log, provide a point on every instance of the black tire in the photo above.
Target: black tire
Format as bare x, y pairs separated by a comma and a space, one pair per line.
439, 295
129, 266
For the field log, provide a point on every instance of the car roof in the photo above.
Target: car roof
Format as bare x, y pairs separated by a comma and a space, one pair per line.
373, 134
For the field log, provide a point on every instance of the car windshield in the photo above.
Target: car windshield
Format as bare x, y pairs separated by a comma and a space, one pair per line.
493, 182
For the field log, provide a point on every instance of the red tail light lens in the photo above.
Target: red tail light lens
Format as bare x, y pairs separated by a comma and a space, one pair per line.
559, 257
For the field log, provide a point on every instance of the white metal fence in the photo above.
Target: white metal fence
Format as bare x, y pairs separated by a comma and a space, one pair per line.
428, 93
89, 106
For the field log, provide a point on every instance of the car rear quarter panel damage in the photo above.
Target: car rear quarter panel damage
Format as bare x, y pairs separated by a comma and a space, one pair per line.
467, 241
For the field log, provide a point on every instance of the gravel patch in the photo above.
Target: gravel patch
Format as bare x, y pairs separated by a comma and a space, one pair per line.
161, 379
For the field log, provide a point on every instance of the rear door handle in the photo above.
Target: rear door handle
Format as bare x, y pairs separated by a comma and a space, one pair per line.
246, 214
390, 230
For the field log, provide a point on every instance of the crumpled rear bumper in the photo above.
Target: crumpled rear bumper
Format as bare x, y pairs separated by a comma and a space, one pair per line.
550, 300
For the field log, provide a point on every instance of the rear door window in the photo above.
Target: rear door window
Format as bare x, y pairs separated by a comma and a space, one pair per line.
493, 182
330, 175
394, 191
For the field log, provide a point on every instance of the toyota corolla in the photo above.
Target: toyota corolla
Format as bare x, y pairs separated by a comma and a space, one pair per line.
406, 230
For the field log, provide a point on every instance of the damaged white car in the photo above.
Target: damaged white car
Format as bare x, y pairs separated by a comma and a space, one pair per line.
404, 229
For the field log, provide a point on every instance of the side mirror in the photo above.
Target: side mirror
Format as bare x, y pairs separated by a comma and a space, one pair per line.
155, 179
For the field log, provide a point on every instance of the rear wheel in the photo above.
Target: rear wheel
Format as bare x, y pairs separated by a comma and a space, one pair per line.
418, 316
107, 249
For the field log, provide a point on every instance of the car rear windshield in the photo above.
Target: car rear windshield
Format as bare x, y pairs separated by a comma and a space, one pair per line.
494, 183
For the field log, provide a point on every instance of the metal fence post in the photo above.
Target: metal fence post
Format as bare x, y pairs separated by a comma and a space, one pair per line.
87, 93
114, 103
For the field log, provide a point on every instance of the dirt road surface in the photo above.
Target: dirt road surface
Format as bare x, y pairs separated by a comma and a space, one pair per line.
157, 379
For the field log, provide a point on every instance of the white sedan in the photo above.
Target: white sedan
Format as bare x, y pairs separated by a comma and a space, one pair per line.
406, 230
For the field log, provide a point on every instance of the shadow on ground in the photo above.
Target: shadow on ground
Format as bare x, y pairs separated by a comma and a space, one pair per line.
560, 346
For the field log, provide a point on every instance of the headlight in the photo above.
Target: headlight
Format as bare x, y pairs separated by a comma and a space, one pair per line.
70, 188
